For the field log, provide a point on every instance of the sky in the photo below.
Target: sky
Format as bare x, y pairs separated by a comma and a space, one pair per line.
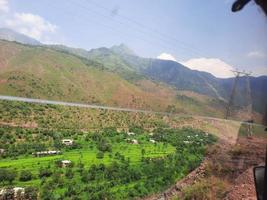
202, 35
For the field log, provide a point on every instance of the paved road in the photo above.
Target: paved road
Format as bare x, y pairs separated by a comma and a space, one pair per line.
43, 101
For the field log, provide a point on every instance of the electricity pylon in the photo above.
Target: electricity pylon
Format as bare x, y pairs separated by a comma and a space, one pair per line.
248, 96
230, 104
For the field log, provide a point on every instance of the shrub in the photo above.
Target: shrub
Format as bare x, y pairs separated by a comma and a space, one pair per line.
209, 189
45, 172
25, 175
7, 175
31, 193
69, 173
100, 155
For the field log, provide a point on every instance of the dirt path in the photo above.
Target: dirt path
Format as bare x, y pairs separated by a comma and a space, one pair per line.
243, 187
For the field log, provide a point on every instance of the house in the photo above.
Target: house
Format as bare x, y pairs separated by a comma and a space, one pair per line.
65, 163
187, 142
134, 141
130, 133
46, 153
67, 142
12, 193
18, 190
2, 151
153, 141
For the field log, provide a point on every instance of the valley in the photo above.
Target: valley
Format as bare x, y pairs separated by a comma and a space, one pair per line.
106, 124
127, 155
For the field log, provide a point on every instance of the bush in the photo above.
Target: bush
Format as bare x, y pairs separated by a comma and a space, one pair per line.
31, 193
209, 189
100, 155
25, 175
45, 172
7, 175
69, 173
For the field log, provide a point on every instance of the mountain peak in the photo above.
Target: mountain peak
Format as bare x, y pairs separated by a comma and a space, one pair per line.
122, 49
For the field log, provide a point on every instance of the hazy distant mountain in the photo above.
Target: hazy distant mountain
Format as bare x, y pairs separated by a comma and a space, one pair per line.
183, 78
123, 61
110, 58
42, 72
10, 35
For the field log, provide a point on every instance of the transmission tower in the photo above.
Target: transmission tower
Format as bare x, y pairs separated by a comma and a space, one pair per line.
264, 120
230, 104
248, 96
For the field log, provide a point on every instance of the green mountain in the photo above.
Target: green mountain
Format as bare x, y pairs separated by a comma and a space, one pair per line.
109, 58
122, 61
182, 78
42, 72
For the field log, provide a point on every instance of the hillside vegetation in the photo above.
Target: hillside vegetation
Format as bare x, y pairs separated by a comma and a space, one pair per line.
40, 72
122, 60
105, 163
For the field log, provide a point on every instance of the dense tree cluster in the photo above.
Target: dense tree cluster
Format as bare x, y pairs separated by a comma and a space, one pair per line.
117, 179
7, 175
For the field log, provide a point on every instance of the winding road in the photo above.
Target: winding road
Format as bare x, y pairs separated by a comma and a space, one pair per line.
82, 105
62, 103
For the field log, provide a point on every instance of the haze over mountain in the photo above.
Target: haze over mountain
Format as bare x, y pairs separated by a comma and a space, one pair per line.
122, 60
122, 63
10, 35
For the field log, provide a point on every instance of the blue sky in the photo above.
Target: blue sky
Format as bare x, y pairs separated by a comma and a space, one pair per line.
203, 35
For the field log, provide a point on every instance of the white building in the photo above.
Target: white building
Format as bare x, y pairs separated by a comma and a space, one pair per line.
153, 141
45, 153
65, 163
17, 192
67, 142
187, 142
130, 133
134, 141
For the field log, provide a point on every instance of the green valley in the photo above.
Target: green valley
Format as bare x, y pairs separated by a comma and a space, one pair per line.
104, 164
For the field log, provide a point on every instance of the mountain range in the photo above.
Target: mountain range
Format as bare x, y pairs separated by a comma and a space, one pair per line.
116, 76
122, 60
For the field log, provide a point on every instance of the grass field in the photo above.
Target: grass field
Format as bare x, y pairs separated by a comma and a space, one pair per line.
104, 164
88, 156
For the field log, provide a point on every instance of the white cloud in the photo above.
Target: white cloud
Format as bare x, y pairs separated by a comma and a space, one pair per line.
31, 25
4, 8
256, 54
214, 66
166, 56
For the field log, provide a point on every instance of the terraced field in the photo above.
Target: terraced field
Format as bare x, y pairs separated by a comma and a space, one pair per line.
104, 164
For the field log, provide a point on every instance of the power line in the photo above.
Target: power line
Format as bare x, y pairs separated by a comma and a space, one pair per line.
82, 15
140, 31
152, 30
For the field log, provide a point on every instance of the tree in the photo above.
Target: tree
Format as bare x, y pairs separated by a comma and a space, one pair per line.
58, 179
11, 175
143, 151
25, 175
69, 173
31, 193
44, 172
100, 155
7, 175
